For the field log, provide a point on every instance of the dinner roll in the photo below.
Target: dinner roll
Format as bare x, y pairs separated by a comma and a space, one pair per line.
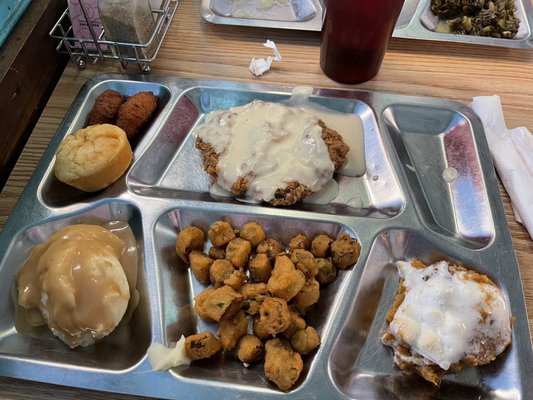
93, 158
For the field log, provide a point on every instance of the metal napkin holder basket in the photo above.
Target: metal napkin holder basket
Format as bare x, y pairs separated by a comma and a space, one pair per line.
82, 51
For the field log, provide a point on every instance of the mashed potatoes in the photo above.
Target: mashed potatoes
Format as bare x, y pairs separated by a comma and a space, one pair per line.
75, 283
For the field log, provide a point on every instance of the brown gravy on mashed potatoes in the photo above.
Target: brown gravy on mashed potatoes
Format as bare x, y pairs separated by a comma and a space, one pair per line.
81, 282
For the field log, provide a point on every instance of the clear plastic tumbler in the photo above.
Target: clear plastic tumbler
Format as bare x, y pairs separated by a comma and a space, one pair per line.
355, 36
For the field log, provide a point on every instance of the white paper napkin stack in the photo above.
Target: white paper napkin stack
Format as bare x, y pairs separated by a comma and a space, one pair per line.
512, 152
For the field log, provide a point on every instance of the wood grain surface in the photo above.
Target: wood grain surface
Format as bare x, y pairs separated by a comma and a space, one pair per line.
195, 48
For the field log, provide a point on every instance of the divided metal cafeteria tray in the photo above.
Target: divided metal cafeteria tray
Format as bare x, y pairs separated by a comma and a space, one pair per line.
401, 208
416, 20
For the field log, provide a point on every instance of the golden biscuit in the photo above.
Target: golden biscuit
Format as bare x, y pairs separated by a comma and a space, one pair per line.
93, 158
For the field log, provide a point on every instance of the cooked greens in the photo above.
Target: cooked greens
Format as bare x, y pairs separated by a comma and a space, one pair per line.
495, 18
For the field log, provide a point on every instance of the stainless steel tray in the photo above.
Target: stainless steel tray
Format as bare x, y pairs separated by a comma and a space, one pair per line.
304, 15
401, 208
416, 20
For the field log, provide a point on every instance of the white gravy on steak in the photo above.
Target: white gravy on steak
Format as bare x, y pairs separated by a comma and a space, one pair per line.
270, 144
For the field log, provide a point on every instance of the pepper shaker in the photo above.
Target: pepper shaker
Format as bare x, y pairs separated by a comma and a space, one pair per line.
128, 21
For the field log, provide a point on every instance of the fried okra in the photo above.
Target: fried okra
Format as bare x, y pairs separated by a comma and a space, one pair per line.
253, 232
217, 253
345, 251
283, 365
297, 323
305, 261
236, 279
220, 233
202, 345
218, 304
189, 239
298, 242
327, 272
260, 268
254, 290
259, 329
231, 330
250, 349
251, 307
200, 264
306, 340
220, 271
274, 314
286, 281
320, 246
279, 289
254, 294
271, 247
238, 251
308, 296
200, 301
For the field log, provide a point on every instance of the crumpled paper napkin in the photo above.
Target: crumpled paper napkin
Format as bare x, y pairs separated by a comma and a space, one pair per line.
259, 66
512, 152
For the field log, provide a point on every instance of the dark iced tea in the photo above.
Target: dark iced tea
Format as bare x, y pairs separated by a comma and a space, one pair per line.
355, 37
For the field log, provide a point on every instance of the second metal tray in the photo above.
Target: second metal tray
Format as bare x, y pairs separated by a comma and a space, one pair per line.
416, 20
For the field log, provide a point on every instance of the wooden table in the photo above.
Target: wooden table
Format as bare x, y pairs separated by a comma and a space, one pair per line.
195, 48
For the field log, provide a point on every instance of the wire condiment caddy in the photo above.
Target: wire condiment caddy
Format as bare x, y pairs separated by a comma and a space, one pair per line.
96, 48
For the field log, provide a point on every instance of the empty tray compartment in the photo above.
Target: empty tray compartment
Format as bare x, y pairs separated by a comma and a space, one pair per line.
438, 152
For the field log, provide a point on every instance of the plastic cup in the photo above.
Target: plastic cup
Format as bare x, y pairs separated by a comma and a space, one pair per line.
355, 36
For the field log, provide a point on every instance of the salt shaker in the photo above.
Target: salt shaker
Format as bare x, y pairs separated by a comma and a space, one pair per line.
129, 21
